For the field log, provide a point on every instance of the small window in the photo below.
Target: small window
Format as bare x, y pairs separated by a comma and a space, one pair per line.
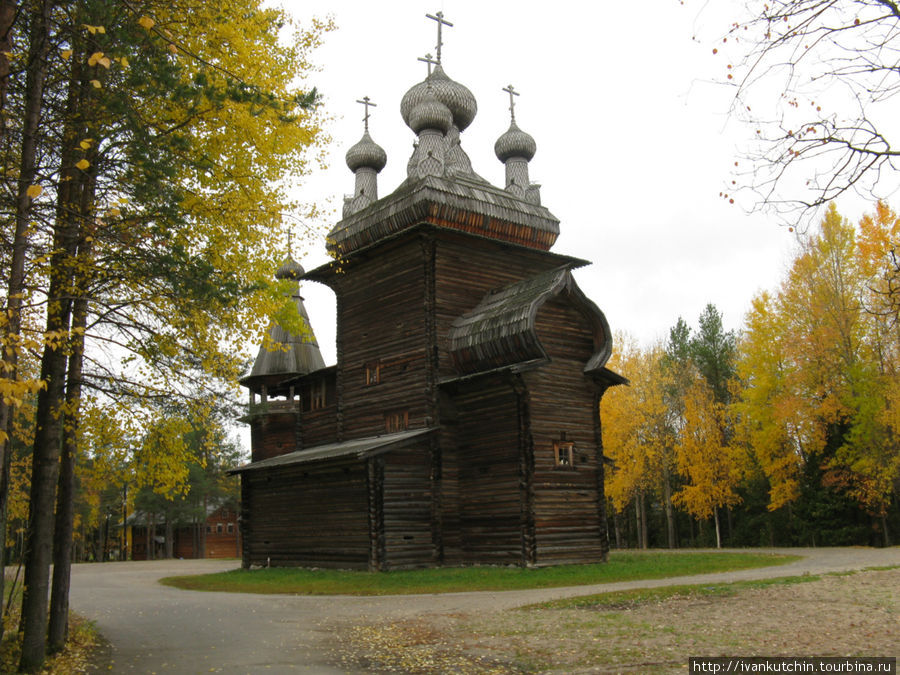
397, 421
373, 373
209, 529
230, 528
317, 396
220, 528
564, 454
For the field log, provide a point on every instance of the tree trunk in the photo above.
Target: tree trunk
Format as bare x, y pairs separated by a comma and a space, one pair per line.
637, 522
65, 505
39, 45
670, 510
617, 525
7, 18
718, 532
645, 540
170, 536
884, 530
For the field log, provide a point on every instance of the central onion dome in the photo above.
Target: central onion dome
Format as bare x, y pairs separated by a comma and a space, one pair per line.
452, 94
430, 113
366, 153
515, 143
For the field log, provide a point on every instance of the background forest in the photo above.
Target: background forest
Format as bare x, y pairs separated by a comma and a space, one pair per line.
785, 433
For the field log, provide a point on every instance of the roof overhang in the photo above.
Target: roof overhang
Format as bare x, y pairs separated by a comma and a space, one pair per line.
354, 450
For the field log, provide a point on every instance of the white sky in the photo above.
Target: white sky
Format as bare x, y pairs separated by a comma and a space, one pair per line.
633, 141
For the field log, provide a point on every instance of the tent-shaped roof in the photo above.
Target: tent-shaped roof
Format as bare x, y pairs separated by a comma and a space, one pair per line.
501, 330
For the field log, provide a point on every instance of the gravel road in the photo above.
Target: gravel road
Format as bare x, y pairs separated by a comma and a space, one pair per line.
157, 629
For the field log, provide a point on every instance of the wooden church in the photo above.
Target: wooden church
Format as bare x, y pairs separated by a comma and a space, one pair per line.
461, 422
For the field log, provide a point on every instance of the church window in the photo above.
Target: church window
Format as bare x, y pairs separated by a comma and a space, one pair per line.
396, 421
373, 373
317, 396
219, 528
230, 528
564, 454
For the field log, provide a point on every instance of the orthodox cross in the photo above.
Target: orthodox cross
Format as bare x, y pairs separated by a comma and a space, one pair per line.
512, 102
367, 102
439, 17
430, 61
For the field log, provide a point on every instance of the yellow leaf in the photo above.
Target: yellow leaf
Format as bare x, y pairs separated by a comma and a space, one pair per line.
173, 49
86, 143
105, 62
96, 84
94, 58
66, 54
34, 190
83, 164
100, 29
146, 22
124, 62
114, 212
90, 29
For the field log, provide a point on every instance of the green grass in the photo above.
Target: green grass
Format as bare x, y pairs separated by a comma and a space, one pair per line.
618, 600
623, 566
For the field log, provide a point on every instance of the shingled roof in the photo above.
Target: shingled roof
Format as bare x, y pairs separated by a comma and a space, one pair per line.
501, 330
461, 202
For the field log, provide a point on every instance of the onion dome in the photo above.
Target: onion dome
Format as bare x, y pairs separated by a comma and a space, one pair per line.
290, 269
366, 153
430, 113
454, 95
515, 143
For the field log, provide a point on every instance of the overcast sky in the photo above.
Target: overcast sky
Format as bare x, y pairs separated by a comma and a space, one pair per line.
634, 143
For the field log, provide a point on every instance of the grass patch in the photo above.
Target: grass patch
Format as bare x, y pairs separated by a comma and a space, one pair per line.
623, 566
644, 596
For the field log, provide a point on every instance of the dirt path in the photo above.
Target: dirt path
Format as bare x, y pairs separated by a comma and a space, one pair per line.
154, 628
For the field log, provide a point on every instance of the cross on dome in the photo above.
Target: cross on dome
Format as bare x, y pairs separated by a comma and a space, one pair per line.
439, 17
430, 61
366, 101
512, 103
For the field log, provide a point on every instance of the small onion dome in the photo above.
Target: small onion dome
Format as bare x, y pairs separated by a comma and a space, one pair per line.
429, 113
366, 153
290, 269
515, 143
452, 94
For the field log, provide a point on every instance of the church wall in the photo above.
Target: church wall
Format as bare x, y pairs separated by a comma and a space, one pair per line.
382, 323
466, 269
407, 508
305, 515
489, 456
566, 502
450, 535
273, 429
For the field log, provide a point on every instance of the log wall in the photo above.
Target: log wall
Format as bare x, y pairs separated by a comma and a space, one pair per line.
407, 509
381, 320
305, 515
490, 497
566, 499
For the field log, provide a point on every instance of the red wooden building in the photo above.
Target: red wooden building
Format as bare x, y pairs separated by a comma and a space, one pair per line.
147, 539
461, 423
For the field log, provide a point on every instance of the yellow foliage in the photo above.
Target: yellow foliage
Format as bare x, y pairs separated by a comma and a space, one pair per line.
710, 466
636, 434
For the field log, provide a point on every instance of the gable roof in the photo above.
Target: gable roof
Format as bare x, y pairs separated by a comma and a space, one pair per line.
501, 330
